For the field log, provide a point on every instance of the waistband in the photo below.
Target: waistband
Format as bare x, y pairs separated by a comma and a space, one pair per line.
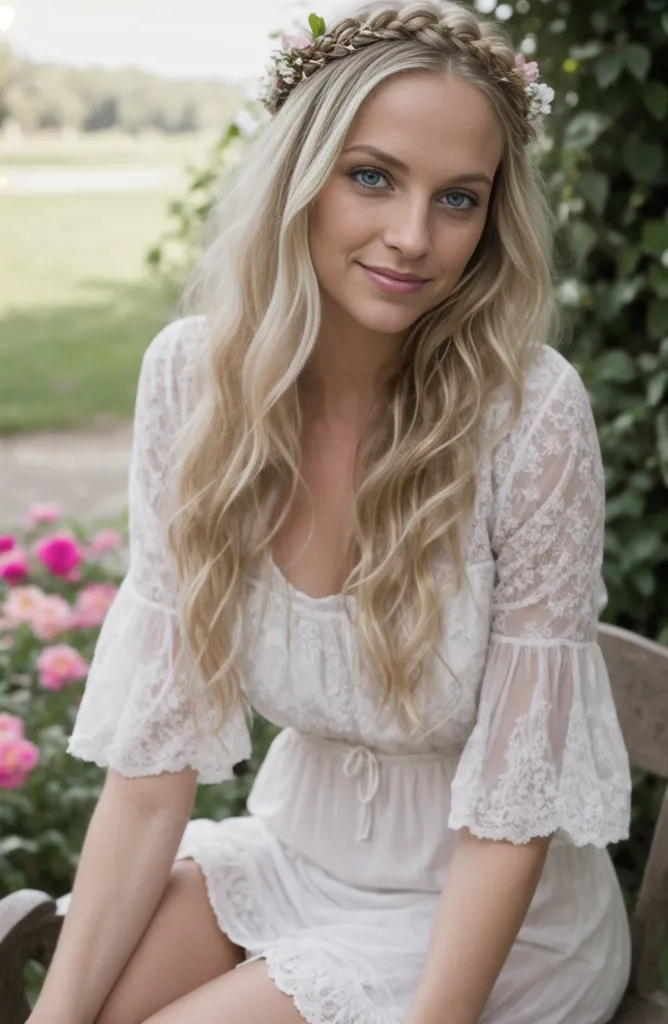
365, 764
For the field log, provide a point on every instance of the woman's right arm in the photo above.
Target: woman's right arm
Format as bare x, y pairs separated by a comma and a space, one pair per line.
125, 862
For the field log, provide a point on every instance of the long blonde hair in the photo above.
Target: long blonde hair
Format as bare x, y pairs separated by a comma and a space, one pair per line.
418, 455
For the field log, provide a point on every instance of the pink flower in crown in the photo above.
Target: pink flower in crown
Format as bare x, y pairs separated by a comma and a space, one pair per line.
52, 617
105, 540
298, 41
7, 542
530, 70
17, 757
59, 665
92, 605
42, 514
14, 566
60, 553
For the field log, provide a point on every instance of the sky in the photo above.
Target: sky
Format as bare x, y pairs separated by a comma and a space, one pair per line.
226, 39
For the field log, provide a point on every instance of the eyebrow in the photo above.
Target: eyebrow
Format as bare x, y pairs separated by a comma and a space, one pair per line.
400, 165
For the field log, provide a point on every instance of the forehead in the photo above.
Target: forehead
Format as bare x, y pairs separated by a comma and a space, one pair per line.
436, 122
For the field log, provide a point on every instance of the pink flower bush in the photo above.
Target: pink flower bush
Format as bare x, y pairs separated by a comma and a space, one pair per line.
60, 553
59, 665
105, 540
53, 616
20, 605
92, 604
17, 755
39, 513
7, 542
14, 566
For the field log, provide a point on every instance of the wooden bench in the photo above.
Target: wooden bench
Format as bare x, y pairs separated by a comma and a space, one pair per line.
30, 921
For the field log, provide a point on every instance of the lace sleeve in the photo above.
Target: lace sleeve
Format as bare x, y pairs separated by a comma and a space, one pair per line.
547, 753
135, 714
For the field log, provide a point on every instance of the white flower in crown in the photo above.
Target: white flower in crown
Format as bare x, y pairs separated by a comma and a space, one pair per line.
540, 95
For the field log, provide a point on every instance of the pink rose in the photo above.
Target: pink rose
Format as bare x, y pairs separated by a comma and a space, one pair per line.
530, 70
21, 604
105, 540
59, 665
7, 542
52, 616
92, 604
17, 758
14, 566
11, 727
60, 553
42, 514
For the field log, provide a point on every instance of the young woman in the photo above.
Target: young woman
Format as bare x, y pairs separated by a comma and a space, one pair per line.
367, 502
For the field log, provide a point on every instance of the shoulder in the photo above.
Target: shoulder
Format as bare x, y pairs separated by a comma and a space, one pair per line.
555, 406
169, 364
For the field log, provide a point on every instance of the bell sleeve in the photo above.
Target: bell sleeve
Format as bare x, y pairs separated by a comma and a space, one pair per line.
546, 754
135, 714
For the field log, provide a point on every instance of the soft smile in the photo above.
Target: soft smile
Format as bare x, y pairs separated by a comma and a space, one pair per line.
394, 284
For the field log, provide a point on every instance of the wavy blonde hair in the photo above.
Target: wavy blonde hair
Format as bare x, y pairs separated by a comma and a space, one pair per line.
418, 454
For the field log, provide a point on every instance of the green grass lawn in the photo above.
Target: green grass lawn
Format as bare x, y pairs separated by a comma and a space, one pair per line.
77, 305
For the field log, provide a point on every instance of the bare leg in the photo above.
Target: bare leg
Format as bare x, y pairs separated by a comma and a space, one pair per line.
181, 949
245, 996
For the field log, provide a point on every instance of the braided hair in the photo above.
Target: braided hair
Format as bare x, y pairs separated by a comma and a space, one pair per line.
447, 28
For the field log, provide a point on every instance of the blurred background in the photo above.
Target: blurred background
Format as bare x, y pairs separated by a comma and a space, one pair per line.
117, 118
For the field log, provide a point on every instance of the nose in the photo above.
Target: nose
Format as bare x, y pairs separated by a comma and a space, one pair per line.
409, 227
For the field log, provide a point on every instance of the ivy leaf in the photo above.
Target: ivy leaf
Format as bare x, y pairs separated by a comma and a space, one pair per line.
582, 238
655, 237
642, 159
637, 59
657, 318
658, 280
656, 388
595, 188
609, 67
655, 97
317, 25
584, 129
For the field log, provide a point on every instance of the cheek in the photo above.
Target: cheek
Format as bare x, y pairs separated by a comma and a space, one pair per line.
458, 244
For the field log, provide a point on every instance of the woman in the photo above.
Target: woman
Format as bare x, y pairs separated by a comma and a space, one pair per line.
366, 501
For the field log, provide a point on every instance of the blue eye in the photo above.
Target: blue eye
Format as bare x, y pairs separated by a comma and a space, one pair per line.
455, 200
462, 198
366, 170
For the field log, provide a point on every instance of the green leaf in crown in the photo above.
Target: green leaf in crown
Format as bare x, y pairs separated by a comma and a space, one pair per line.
317, 25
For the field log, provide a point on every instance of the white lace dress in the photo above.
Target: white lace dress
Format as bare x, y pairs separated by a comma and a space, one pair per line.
334, 876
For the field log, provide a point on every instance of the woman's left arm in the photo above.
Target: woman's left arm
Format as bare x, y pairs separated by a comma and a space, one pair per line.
546, 754
487, 892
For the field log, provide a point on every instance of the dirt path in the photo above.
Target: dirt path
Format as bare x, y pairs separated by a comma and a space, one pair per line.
85, 473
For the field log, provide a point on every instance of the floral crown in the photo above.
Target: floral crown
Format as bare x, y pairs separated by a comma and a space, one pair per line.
300, 57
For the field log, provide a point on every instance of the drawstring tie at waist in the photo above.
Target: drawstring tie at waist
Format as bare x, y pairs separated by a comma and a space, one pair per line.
362, 764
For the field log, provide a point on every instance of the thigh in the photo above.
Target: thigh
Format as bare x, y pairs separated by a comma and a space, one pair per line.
181, 950
245, 996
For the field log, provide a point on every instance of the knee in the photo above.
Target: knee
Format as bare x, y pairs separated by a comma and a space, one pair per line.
120, 1007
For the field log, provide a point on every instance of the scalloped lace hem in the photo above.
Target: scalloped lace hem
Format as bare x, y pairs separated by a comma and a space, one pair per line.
98, 753
574, 836
320, 995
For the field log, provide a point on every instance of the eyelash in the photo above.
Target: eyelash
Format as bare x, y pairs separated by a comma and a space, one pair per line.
374, 170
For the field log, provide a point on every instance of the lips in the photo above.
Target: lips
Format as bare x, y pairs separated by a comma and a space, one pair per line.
396, 275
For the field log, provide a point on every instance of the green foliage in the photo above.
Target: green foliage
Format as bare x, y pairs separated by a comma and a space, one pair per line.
608, 174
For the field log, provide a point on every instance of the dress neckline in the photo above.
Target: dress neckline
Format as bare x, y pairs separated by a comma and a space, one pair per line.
330, 602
